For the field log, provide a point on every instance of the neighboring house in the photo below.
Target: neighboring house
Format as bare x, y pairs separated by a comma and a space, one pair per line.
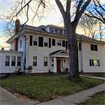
44, 48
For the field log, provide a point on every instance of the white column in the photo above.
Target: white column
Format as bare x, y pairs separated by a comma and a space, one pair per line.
55, 65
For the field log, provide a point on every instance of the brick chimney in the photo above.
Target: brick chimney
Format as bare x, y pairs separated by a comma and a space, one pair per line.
17, 23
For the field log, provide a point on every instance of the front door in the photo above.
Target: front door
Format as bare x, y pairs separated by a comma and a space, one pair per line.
58, 65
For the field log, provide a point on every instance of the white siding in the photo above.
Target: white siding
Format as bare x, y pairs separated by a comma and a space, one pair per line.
88, 54
12, 46
40, 52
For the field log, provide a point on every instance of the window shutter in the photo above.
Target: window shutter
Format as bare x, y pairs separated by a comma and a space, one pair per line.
53, 42
63, 43
79, 46
49, 42
31, 37
41, 41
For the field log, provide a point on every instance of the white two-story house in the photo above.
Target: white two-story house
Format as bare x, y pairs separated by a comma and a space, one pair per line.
44, 48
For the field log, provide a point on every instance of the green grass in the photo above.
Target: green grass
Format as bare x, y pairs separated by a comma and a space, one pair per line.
47, 87
98, 99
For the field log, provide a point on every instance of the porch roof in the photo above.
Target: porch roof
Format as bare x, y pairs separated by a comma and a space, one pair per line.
60, 53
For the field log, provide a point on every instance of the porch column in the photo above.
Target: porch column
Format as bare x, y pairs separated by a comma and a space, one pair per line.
55, 65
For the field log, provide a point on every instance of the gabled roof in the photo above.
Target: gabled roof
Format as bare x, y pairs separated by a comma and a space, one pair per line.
60, 53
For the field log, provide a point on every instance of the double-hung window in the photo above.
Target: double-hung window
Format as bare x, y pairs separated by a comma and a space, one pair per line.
45, 42
94, 47
19, 61
34, 60
58, 42
35, 40
13, 60
20, 43
45, 61
7, 60
94, 62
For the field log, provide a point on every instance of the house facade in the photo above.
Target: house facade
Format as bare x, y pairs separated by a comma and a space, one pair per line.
45, 48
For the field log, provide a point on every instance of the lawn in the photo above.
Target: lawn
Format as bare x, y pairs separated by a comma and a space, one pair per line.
47, 87
97, 99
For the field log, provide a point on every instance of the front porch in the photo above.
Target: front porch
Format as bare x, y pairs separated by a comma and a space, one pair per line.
59, 61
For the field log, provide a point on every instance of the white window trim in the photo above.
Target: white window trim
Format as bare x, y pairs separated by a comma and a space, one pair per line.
47, 61
32, 60
47, 43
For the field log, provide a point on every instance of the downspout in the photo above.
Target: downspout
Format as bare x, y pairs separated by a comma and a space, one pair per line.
24, 56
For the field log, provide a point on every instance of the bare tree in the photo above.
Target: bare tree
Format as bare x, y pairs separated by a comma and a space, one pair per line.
89, 26
97, 11
69, 23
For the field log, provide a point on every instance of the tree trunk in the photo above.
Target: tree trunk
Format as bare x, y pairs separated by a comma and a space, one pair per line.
73, 53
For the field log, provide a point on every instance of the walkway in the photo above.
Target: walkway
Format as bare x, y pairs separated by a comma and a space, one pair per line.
6, 98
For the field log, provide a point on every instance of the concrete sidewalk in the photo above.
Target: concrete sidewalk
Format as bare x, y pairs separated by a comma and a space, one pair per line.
6, 98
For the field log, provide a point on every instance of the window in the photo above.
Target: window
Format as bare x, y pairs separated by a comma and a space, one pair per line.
60, 31
58, 42
94, 62
34, 60
94, 47
18, 61
45, 42
51, 29
13, 61
79, 46
20, 43
45, 61
7, 60
35, 40
53, 42
56, 31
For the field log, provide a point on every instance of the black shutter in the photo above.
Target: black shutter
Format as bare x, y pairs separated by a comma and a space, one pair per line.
79, 46
96, 49
63, 43
66, 44
92, 47
49, 42
53, 42
31, 40
41, 41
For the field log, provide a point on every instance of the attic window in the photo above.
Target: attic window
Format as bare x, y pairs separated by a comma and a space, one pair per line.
51, 29
56, 31
60, 31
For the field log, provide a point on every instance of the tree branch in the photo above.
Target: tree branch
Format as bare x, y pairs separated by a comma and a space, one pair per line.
68, 5
82, 10
23, 7
59, 4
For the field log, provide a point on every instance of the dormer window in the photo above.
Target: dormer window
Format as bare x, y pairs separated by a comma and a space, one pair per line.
60, 31
35, 40
58, 42
51, 29
45, 42
56, 31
